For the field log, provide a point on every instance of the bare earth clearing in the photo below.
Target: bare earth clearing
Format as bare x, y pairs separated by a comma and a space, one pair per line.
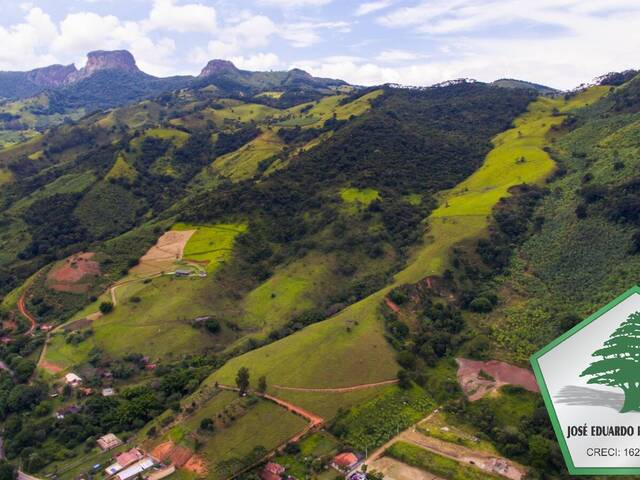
74, 274
484, 461
395, 470
162, 256
476, 387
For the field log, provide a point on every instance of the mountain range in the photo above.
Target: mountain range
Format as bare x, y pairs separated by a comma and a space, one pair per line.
244, 272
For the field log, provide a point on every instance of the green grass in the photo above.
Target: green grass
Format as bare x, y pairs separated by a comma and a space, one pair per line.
289, 292
443, 467
71, 183
517, 157
355, 195
262, 423
243, 163
121, 169
348, 349
444, 427
212, 244
316, 445
327, 405
156, 326
5, 176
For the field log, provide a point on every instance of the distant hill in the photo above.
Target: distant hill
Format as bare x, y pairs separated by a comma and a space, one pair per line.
512, 83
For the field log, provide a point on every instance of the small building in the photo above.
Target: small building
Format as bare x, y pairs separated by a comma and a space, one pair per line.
68, 410
108, 392
108, 442
46, 327
345, 461
272, 471
72, 379
182, 272
6, 340
135, 469
127, 458
86, 391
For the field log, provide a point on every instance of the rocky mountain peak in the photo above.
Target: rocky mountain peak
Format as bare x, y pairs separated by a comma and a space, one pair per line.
214, 67
51, 76
98, 60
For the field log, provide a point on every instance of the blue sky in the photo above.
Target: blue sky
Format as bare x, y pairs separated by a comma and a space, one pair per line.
561, 43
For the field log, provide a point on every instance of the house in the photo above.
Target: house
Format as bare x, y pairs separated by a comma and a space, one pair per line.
272, 471
6, 340
345, 461
134, 470
108, 442
108, 392
137, 468
72, 379
127, 458
182, 272
46, 327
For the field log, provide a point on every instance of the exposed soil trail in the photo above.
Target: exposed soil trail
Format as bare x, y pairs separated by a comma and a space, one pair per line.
484, 461
337, 389
392, 305
25, 313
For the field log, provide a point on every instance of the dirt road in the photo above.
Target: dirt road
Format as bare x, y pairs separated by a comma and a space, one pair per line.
25, 313
337, 389
483, 460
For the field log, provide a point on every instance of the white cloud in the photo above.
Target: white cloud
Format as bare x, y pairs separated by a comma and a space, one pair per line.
370, 7
287, 4
192, 17
84, 31
257, 62
395, 55
24, 45
305, 34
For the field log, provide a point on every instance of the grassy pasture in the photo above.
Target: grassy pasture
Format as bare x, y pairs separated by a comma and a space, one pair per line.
71, 183
121, 169
155, 325
152, 316
243, 163
241, 425
355, 195
286, 293
212, 244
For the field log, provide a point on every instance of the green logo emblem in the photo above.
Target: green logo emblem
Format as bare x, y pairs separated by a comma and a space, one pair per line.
589, 378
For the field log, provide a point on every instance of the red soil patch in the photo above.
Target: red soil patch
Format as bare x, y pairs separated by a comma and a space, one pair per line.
476, 387
392, 305
169, 452
49, 367
162, 451
197, 465
74, 274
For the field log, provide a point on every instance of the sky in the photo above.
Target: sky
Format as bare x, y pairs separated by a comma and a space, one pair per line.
560, 43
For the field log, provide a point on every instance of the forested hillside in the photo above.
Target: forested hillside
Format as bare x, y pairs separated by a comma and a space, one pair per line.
343, 256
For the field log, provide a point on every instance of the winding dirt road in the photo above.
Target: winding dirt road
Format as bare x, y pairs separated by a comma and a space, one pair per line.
25, 313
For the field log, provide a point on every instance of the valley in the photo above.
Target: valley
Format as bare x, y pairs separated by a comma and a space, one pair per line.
251, 267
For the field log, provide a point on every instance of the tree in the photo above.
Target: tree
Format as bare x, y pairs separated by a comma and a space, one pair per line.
242, 379
106, 307
7, 471
262, 384
620, 361
404, 380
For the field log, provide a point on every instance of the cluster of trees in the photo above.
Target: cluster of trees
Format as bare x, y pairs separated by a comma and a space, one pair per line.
619, 203
512, 221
